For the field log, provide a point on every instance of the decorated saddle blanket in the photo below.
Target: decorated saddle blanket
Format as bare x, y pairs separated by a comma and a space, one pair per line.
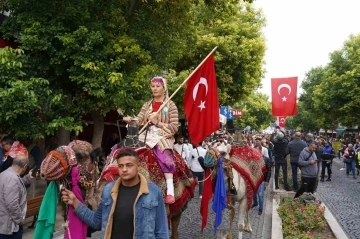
249, 163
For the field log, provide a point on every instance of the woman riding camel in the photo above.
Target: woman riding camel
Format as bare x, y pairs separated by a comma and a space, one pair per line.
159, 135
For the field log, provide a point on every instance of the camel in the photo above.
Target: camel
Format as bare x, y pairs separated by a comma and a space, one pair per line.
246, 181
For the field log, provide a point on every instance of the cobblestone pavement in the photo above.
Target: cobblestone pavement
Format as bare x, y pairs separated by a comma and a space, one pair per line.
190, 225
341, 196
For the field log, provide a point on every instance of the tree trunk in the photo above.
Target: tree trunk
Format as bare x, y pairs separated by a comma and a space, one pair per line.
98, 129
63, 136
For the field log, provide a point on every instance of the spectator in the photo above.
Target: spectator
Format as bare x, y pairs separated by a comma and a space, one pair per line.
309, 169
259, 195
190, 147
206, 143
129, 206
279, 152
309, 138
294, 148
341, 154
35, 157
11, 148
195, 166
327, 156
182, 148
13, 198
350, 160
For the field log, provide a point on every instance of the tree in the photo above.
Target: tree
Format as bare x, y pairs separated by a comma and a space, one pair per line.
256, 112
338, 92
22, 96
99, 56
305, 120
331, 92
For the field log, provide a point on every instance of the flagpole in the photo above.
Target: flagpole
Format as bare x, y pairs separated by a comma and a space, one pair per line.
181, 85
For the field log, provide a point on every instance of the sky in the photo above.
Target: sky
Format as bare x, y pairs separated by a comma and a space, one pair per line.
300, 34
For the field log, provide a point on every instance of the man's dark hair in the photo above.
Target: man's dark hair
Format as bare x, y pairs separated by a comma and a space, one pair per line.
127, 152
8, 139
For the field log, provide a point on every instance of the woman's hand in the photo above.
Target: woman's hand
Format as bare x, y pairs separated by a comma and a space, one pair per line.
153, 118
127, 119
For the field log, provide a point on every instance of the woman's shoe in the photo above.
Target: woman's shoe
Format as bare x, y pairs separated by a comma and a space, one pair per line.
169, 199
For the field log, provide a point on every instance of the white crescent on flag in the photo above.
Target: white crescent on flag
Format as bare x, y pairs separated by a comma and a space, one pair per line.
284, 86
204, 82
196, 88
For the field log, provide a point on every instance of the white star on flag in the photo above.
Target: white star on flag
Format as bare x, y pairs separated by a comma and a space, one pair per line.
284, 98
202, 105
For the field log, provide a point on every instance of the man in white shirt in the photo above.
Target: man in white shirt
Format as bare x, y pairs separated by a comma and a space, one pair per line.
182, 148
195, 167
206, 143
190, 147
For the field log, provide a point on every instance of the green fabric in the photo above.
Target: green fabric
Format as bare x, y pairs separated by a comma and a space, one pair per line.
47, 215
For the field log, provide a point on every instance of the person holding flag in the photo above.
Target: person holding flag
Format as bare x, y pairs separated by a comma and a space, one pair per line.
159, 135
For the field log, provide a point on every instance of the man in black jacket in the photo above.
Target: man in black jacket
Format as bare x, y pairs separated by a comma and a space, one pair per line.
294, 148
279, 152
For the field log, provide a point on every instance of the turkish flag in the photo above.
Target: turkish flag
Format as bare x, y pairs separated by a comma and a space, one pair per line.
282, 121
283, 93
201, 102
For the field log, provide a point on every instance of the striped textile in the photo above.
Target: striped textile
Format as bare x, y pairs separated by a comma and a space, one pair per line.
170, 118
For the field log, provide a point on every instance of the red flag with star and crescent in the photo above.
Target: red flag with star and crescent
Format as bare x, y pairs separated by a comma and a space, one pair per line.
201, 102
282, 121
283, 93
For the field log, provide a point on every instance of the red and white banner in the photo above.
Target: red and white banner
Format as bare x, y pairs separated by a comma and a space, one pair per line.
282, 121
283, 93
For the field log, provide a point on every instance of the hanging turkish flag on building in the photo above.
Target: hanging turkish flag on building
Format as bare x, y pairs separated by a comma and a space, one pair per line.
201, 102
283, 93
282, 121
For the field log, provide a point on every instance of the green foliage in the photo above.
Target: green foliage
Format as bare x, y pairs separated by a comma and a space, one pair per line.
22, 96
236, 29
331, 92
99, 56
256, 112
302, 220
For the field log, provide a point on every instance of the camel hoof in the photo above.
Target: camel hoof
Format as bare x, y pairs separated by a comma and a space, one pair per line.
248, 229
240, 227
228, 236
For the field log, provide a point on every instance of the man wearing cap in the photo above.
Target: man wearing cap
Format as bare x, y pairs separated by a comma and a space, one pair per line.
294, 148
13, 197
309, 169
279, 152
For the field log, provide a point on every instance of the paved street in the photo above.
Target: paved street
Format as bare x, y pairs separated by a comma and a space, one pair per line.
341, 196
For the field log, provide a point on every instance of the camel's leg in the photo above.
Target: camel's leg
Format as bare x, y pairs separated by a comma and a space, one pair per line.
248, 222
242, 211
175, 222
232, 215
